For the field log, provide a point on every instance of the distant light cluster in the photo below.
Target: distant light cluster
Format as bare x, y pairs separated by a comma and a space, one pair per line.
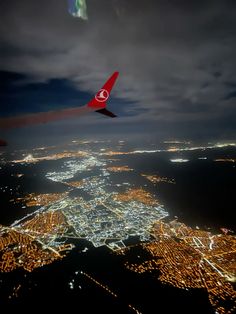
119, 168
157, 179
179, 160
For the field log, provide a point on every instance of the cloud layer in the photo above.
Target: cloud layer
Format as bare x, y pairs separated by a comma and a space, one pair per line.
176, 58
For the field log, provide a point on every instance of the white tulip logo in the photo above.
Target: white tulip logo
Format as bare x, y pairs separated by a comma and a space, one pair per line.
102, 95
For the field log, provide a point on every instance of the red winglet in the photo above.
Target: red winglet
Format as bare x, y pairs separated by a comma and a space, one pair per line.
99, 100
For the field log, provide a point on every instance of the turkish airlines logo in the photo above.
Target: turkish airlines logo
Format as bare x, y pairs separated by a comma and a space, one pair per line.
102, 95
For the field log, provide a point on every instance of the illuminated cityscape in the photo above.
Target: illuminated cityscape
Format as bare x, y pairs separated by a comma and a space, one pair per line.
18, 248
98, 203
136, 195
34, 159
192, 258
33, 199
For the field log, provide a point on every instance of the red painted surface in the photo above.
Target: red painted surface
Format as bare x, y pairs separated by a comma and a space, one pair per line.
97, 103
99, 100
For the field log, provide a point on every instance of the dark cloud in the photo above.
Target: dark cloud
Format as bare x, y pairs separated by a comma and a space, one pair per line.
176, 58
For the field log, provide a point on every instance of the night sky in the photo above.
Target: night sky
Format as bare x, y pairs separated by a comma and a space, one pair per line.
176, 61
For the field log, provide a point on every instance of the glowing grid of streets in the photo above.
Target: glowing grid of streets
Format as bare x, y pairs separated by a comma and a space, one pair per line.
102, 219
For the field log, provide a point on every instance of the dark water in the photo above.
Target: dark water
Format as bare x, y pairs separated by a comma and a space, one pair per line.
47, 288
204, 193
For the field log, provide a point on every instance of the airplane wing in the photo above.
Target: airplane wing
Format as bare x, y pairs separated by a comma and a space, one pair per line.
99, 102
